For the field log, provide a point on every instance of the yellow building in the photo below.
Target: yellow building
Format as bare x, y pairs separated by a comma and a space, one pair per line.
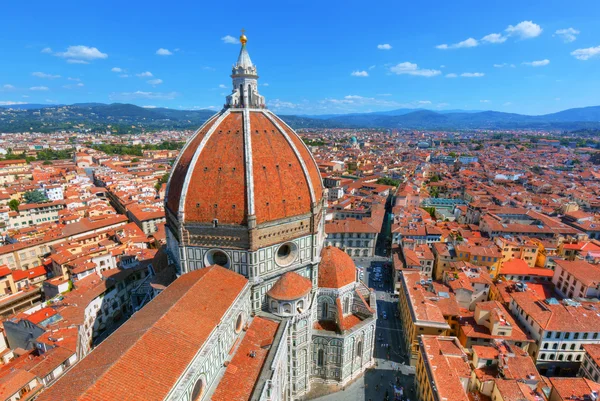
443, 371
425, 308
518, 248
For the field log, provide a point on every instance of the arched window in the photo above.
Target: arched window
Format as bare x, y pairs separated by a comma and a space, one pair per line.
359, 349
198, 390
569, 357
554, 346
274, 306
238, 323
560, 357
347, 305
287, 308
324, 310
300, 305
320, 357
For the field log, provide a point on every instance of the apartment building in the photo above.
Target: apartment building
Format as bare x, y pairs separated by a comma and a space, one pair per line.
590, 368
560, 330
443, 372
576, 279
425, 308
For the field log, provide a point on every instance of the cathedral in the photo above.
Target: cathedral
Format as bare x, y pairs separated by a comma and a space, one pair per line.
260, 309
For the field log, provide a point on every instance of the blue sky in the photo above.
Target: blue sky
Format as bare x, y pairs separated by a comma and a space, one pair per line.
530, 57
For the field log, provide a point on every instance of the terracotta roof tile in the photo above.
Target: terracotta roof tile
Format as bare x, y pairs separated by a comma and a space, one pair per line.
336, 269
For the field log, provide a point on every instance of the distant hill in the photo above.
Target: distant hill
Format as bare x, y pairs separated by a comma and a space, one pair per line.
125, 118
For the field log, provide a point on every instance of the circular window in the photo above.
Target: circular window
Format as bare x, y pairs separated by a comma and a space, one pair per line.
286, 254
198, 389
238, 323
217, 257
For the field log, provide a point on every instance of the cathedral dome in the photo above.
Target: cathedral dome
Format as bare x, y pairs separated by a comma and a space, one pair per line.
336, 269
289, 287
245, 166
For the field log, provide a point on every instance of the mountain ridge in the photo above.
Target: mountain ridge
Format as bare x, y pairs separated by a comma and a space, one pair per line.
125, 117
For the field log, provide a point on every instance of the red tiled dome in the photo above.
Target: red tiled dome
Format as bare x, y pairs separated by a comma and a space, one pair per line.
336, 269
242, 163
290, 286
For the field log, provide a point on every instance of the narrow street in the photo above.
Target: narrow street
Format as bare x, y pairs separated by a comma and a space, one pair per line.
389, 353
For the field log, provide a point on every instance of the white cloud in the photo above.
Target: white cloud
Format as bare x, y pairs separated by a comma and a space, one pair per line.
538, 63
451, 75
586, 54
557, 99
222, 86
74, 86
423, 102
484, 101
372, 67
507, 104
116, 69
124, 76
44, 75
408, 68
280, 104
39, 88
74, 79
146, 74
149, 107
568, 35
385, 46
164, 52
46, 50
75, 61
265, 84
524, 30
230, 40
8, 87
359, 74
155, 81
465, 43
504, 65
384, 94
143, 95
10, 103
472, 74
494, 38
81, 52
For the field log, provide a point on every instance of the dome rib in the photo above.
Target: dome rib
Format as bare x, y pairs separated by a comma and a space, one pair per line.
182, 165
313, 197
191, 168
248, 162
244, 167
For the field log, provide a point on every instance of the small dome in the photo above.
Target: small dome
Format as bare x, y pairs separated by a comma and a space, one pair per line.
336, 269
290, 286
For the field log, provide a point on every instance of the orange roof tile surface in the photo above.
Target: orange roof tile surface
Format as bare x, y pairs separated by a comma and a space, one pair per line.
336, 269
290, 286
242, 372
130, 363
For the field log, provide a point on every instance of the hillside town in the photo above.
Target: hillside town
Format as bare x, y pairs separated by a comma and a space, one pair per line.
485, 247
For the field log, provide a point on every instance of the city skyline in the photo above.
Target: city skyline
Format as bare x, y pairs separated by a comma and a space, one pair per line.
519, 58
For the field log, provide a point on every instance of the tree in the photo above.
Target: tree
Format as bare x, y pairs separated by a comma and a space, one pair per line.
431, 211
13, 204
388, 181
135, 160
452, 154
35, 197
